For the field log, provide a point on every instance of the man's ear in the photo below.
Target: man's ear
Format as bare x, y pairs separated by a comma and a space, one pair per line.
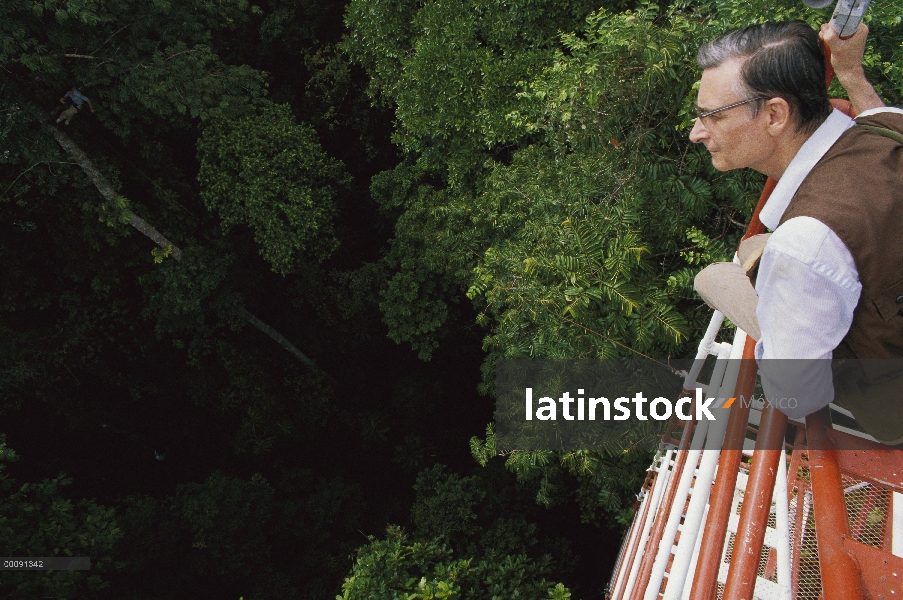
778, 116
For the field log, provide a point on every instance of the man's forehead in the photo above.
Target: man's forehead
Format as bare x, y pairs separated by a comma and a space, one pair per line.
719, 85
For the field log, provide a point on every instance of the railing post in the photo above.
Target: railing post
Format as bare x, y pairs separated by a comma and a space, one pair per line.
839, 571
635, 536
705, 580
661, 516
741, 577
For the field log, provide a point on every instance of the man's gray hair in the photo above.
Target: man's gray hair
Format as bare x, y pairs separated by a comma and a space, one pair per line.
779, 60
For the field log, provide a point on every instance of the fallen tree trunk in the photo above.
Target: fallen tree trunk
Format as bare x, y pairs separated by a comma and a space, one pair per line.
109, 194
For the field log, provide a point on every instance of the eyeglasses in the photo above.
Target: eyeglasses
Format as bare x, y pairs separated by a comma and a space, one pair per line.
702, 114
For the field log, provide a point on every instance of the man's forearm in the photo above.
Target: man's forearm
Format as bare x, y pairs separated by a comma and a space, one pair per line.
861, 93
846, 58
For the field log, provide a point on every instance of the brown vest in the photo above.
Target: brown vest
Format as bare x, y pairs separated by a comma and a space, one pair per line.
856, 189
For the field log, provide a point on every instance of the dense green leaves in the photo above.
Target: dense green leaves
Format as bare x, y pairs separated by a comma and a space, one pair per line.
265, 171
548, 175
249, 533
541, 179
398, 569
452, 71
567, 241
100, 329
37, 520
466, 542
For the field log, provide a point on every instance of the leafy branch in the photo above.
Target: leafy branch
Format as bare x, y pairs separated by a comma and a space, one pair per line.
118, 205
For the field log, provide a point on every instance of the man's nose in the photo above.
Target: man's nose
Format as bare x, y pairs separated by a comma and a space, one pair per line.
698, 133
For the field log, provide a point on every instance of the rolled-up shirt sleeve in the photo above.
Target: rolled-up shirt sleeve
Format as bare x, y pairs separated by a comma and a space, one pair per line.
808, 287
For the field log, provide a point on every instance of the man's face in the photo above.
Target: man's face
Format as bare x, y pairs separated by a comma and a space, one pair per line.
734, 137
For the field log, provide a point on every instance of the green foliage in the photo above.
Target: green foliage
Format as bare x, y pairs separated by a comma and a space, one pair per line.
36, 519
473, 537
146, 58
544, 175
95, 328
7, 454
181, 289
452, 71
398, 569
222, 527
22, 25
271, 408
226, 518
703, 252
118, 215
575, 281
269, 173
548, 173
473, 515
584, 274
236, 530
569, 243
606, 482
445, 506
160, 254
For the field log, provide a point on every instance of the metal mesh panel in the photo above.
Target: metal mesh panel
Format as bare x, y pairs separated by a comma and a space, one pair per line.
727, 559
730, 548
719, 594
763, 564
804, 546
768, 557
729, 541
867, 510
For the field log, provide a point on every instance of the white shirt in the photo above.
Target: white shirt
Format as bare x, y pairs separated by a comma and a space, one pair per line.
807, 283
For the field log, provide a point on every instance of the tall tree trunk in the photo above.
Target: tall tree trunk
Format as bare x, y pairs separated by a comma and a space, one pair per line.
278, 337
106, 190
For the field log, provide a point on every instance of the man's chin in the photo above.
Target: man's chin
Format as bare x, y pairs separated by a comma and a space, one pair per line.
720, 164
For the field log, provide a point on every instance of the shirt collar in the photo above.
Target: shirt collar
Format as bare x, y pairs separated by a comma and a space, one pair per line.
809, 154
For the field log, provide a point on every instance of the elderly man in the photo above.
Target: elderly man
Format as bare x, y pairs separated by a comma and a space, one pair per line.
830, 279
